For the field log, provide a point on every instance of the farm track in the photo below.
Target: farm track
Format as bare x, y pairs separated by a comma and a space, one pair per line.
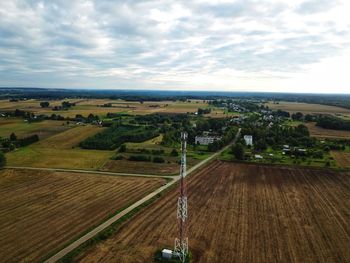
40, 210
244, 213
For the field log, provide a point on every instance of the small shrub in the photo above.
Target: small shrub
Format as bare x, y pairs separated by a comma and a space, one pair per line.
2, 159
122, 148
118, 157
174, 152
158, 159
139, 158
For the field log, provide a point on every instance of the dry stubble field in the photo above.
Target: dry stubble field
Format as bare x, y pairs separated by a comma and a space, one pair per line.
308, 108
244, 213
87, 106
319, 132
41, 211
341, 158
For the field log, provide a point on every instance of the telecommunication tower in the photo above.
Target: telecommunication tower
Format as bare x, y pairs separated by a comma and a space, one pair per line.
181, 242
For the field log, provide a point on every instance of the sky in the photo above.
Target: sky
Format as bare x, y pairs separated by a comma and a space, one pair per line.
236, 45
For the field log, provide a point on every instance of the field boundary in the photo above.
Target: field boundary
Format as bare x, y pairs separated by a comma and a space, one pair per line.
88, 172
291, 166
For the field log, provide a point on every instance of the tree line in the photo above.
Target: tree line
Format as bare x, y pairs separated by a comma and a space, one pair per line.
117, 134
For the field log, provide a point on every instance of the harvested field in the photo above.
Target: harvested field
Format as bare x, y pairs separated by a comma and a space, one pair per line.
22, 129
70, 138
31, 105
60, 151
341, 158
319, 132
87, 106
308, 108
41, 211
244, 213
125, 166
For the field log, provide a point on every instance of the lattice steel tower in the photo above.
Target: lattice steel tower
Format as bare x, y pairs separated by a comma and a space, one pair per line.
181, 242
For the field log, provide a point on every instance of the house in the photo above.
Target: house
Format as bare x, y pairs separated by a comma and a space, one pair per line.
258, 156
206, 139
286, 150
248, 140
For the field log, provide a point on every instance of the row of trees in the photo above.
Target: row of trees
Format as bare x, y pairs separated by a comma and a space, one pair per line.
334, 123
12, 142
145, 158
201, 111
114, 136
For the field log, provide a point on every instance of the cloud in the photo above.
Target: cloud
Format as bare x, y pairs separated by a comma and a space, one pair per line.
183, 44
315, 6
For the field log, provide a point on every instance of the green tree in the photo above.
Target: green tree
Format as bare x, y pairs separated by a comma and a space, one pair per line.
13, 137
122, 148
238, 151
44, 104
298, 116
174, 152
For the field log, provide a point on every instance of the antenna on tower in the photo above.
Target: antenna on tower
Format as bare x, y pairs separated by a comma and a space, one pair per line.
181, 242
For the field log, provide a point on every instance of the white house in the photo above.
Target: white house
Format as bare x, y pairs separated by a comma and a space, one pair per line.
206, 139
248, 140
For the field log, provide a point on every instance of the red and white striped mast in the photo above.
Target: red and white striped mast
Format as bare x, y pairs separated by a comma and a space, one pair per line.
181, 242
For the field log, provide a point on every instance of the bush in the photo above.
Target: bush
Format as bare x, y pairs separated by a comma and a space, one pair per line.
238, 151
118, 157
158, 152
139, 158
317, 154
122, 148
44, 104
2, 159
158, 159
13, 137
28, 140
174, 153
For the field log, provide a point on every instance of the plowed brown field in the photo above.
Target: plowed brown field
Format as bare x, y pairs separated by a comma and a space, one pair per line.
244, 213
41, 211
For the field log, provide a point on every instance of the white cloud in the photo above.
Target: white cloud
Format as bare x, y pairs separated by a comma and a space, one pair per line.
274, 45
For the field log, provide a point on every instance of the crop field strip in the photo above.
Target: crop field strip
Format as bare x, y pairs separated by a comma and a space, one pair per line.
57, 151
87, 106
244, 213
308, 108
342, 158
326, 133
22, 129
41, 211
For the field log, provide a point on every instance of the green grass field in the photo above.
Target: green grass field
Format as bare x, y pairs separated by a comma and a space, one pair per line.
22, 128
61, 151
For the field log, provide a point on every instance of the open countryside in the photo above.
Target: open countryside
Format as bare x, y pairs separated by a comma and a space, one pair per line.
174, 131
109, 161
244, 213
